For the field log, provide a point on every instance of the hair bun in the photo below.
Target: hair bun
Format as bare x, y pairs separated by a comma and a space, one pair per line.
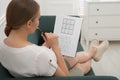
7, 30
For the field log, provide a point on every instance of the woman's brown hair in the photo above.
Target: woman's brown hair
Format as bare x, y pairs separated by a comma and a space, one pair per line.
18, 13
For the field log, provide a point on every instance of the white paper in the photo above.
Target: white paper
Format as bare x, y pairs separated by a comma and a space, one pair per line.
68, 29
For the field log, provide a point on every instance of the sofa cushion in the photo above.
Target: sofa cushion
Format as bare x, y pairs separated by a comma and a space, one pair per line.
35, 37
4, 73
46, 24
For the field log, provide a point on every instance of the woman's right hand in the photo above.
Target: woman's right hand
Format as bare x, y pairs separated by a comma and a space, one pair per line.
51, 40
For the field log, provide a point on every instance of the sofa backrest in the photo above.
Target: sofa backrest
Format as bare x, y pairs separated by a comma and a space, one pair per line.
46, 24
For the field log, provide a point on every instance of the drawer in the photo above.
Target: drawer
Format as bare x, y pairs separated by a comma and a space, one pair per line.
111, 8
104, 21
104, 33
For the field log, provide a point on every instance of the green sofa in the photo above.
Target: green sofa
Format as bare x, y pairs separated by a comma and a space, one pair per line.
47, 25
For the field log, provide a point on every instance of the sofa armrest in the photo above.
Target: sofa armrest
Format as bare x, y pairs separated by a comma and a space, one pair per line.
67, 78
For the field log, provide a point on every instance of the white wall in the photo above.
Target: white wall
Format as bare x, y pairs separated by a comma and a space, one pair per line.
48, 7
59, 7
3, 6
2, 26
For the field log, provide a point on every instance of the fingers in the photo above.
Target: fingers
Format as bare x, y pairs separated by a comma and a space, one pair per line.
48, 36
51, 39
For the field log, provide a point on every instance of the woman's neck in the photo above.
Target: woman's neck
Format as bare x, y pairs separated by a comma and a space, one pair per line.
17, 38
18, 35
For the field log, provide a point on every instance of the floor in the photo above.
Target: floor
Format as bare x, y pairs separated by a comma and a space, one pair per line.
110, 63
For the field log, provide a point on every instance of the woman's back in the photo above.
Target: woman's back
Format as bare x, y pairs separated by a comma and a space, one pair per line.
31, 60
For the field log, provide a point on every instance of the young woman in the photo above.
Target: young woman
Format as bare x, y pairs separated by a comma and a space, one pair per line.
24, 59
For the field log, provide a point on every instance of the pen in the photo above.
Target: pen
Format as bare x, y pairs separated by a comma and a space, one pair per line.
42, 32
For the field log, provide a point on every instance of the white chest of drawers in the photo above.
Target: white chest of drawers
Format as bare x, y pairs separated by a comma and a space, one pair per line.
101, 20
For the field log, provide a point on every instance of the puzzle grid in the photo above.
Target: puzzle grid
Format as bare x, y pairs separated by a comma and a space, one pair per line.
67, 26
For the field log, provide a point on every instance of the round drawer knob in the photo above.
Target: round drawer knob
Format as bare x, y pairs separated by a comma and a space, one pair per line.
98, 9
96, 22
96, 34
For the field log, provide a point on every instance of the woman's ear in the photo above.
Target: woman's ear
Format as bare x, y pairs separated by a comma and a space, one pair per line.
29, 24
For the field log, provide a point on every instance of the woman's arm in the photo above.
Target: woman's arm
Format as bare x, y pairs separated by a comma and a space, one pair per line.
62, 69
52, 41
